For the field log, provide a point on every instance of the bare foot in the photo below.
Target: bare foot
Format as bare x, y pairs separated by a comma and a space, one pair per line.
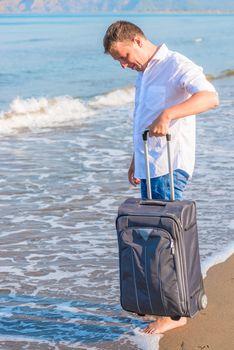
164, 324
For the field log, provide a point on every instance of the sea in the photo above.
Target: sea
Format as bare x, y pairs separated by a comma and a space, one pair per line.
65, 147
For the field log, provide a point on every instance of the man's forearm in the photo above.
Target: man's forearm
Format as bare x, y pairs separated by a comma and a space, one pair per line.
197, 103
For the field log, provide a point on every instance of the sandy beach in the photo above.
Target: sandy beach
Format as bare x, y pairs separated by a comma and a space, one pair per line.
213, 328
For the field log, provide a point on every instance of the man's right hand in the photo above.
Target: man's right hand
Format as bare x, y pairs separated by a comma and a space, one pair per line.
134, 181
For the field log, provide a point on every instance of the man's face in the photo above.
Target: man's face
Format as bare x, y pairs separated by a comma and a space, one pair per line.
129, 54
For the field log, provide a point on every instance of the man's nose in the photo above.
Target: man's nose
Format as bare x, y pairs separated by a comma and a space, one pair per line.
123, 65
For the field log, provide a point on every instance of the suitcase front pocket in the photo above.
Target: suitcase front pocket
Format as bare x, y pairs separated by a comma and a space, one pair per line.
147, 271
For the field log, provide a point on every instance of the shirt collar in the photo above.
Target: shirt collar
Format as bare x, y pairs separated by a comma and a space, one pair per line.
160, 54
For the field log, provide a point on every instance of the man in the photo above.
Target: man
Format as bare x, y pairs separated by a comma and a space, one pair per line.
170, 90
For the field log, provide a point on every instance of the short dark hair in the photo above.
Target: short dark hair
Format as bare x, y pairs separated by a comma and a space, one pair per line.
120, 31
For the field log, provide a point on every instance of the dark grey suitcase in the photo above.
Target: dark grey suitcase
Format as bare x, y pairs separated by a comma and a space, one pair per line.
160, 272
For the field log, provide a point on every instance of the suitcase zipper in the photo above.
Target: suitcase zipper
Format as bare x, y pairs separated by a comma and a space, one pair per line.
182, 269
182, 263
172, 246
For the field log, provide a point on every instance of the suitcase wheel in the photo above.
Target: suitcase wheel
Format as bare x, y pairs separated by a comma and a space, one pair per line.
202, 301
141, 314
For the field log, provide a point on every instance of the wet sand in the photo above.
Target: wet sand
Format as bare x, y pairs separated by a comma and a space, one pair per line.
213, 328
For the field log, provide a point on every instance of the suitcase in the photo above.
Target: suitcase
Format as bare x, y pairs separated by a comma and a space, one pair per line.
160, 272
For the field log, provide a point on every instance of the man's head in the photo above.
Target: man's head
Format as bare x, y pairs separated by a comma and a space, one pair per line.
127, 43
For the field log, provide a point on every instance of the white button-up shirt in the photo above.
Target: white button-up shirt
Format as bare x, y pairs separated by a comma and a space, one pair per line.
169, 79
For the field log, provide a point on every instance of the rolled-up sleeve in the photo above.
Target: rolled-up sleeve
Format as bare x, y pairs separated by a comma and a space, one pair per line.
193, 80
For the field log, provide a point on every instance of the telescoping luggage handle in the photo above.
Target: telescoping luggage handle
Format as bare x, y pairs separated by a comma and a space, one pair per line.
148, 181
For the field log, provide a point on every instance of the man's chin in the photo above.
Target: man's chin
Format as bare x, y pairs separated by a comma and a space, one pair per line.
137, 68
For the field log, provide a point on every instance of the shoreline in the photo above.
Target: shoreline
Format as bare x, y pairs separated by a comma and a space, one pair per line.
212, 328
216, 259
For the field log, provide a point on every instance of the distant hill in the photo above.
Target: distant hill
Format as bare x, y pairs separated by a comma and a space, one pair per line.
79, 6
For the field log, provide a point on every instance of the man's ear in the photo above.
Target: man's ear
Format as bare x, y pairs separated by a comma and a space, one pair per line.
138, 40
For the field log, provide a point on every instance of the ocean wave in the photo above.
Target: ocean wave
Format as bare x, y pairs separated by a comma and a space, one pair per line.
224, 74
35, 114
113, 98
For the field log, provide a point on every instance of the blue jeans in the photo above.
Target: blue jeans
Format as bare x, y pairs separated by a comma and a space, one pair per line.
160, 186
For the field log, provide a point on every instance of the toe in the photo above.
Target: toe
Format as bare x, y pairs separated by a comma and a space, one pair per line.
154, 331
146, 330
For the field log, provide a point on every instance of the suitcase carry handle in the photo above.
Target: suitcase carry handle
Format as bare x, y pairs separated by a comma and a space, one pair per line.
148, 181
153, 202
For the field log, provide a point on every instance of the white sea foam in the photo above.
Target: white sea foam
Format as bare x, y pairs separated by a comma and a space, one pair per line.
114, 98
146, 341
231, 225
198, 40
217, 258
4, 313
36, 114
33, 114
29, 340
